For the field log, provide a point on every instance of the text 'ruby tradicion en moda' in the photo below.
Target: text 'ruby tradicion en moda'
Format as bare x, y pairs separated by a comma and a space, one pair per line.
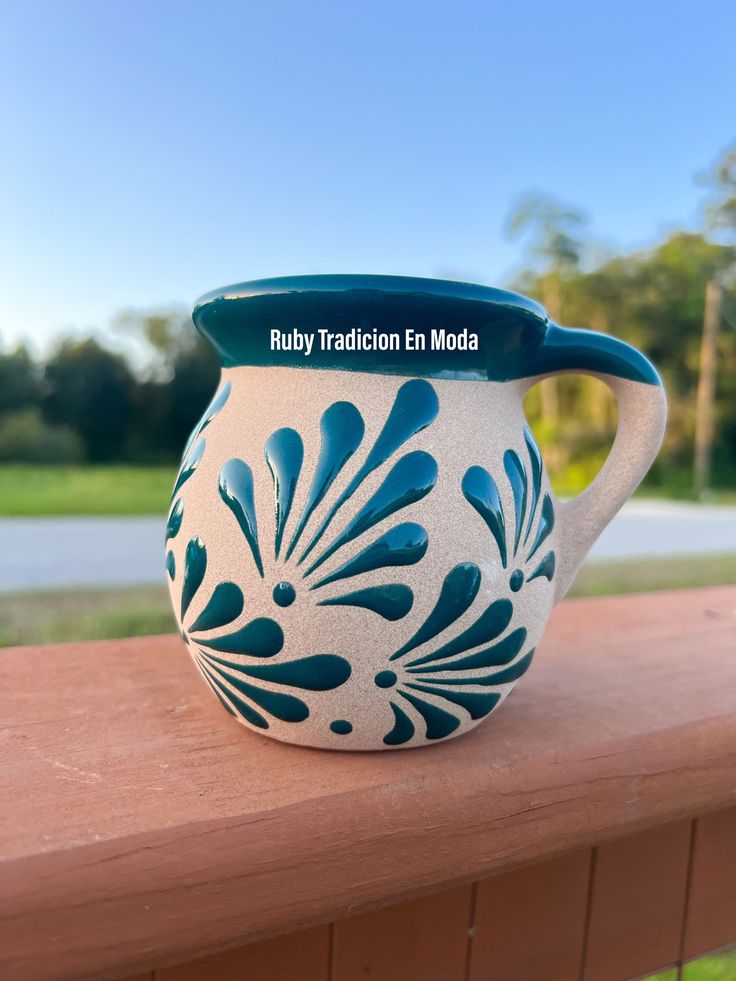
359, 339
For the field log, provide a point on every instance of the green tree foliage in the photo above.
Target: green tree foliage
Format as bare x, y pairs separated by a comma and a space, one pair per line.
87, 399
554, 231
183, 376
25, 437
90, 389
20, 380
720, 206
654, 300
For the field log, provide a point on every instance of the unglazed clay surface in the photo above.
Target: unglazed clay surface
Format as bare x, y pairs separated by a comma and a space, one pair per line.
361, 561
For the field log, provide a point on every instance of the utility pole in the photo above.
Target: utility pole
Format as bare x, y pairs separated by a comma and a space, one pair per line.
704, 428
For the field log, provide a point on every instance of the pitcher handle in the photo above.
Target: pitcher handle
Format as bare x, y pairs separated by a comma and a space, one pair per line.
642, 415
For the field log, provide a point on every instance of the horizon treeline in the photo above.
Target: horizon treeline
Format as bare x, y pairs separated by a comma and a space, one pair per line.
86, 403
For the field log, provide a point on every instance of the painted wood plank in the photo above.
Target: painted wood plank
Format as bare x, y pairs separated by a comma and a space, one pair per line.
302, 956
530, 923
637, 905
711, 915
140, 825
422, 940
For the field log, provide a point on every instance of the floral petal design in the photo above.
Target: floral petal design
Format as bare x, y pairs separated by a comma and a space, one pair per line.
535, 461
171, 565
481, 491
218, 401
243, 688
415, 407
392, 602
476, 705
503, 677
545, 526
409, 480
176, 515
236, 490
192, 457
405, 544
195, 566
224, 606
456, 596
403, 728
341, 431
220, 697
439, 723
288, 708
318, 672
546, 568
284, 455
454, 671
189, 466
501, 653
489, 625
449, 679
517, 478
262, 637
232, 702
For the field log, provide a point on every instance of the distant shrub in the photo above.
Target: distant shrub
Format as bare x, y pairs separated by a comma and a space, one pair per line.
26, 438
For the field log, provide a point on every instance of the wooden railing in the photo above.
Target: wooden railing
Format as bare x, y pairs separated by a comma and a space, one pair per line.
587, 831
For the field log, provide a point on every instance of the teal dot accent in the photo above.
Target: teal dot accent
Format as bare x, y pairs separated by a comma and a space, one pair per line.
284, 594
385, 679
341, 727
517, 580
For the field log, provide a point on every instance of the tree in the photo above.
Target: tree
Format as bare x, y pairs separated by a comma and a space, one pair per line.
554, 231
720, 211
183, 376
555, 235
655, 300
90, 389
720, 205
20, 380
167, 333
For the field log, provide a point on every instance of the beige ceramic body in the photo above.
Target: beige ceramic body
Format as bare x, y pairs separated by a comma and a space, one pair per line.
477, 422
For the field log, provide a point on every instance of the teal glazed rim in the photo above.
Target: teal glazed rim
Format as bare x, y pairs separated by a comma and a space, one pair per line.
516, 338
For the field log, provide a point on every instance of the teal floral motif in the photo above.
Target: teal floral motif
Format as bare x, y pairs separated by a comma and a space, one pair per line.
485, 655
192, 457
446, 670
409, 480
214, 634
437, 677
520, 538
194, 450
243, 689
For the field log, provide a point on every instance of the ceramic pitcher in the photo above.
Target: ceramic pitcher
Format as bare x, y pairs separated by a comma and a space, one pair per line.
363, 547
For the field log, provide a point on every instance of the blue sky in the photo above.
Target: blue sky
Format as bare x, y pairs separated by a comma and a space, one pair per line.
154, 150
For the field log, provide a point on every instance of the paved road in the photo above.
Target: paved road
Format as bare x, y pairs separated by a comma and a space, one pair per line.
37, 553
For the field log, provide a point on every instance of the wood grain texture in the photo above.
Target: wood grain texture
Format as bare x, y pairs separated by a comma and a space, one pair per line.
637, 909
530, 922
142, 827
301, 956
711, 914
423, 940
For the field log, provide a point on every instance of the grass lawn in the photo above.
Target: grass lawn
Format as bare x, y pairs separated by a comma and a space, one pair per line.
712, 967
56, 616
645, 575
37, 490
94, 614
